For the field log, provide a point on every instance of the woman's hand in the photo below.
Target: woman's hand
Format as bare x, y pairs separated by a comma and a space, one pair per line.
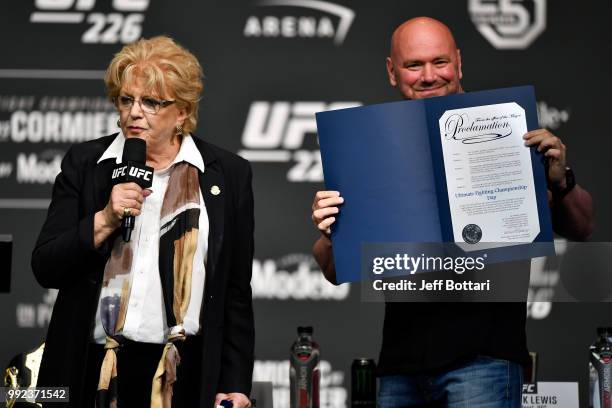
238, 400
123, 195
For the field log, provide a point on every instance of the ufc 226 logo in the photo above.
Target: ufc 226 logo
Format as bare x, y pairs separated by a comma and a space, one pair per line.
285, 132
123, 25
509, 24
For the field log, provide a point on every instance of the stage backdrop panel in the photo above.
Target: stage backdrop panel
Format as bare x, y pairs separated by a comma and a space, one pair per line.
269, 66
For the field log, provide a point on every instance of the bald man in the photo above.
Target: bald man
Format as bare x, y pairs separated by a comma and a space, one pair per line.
440, 354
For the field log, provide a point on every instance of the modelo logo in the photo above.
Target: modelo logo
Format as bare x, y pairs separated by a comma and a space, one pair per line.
275, 132
509, 24
6, 169
34, 169
132, 171
301, 26
295, 277
124, 26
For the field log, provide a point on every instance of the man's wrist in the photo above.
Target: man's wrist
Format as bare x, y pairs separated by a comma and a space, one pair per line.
326, 238
568, 183
561, 185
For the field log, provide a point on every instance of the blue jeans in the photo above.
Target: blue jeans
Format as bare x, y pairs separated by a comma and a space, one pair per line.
482, 383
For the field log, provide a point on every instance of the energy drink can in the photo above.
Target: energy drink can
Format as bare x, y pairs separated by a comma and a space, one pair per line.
363, 383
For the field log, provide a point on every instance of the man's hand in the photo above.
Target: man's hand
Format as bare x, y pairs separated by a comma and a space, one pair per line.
554, 151
239, 400
324, 207
573, 215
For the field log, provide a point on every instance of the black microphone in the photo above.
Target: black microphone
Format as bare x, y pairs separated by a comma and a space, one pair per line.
132, 169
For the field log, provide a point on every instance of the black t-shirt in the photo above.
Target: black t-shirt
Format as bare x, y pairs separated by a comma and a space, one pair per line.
427, 337
421, 337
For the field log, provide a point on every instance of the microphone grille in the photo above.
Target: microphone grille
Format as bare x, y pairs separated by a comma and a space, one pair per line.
135, 150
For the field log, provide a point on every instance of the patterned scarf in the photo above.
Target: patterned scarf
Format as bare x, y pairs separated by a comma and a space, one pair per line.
180, 215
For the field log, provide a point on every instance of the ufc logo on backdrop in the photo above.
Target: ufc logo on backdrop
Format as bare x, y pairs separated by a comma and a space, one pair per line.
122, 26
543, 281
509, 24
277, 131
530, 388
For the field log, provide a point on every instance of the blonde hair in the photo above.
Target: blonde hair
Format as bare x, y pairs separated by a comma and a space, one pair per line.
165, 67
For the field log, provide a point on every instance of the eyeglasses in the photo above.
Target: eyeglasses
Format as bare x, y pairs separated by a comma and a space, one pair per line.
147, 104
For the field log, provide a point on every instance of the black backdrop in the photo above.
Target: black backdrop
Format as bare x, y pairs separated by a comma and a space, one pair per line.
269, 65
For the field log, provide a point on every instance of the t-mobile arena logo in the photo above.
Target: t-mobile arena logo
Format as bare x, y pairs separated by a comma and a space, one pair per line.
309, 19
509, 24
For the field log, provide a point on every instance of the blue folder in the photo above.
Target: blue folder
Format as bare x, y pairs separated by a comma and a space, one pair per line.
386, 161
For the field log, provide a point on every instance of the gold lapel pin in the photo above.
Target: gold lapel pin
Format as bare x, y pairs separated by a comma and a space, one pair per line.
215, 190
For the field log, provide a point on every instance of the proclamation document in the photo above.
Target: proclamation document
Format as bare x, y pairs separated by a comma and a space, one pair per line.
489, 176
450, 169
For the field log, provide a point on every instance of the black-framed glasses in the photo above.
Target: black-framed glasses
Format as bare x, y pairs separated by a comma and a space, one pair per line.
147, 104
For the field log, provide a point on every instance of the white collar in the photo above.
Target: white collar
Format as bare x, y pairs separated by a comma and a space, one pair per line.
188, 152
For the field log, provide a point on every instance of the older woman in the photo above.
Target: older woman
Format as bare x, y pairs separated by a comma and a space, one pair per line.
165, 318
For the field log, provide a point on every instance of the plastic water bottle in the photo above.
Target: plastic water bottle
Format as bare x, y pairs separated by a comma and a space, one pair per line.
600, 369
304, 370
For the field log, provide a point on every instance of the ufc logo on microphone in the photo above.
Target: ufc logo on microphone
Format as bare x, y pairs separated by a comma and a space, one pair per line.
135, 172
141, 175
119, 172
